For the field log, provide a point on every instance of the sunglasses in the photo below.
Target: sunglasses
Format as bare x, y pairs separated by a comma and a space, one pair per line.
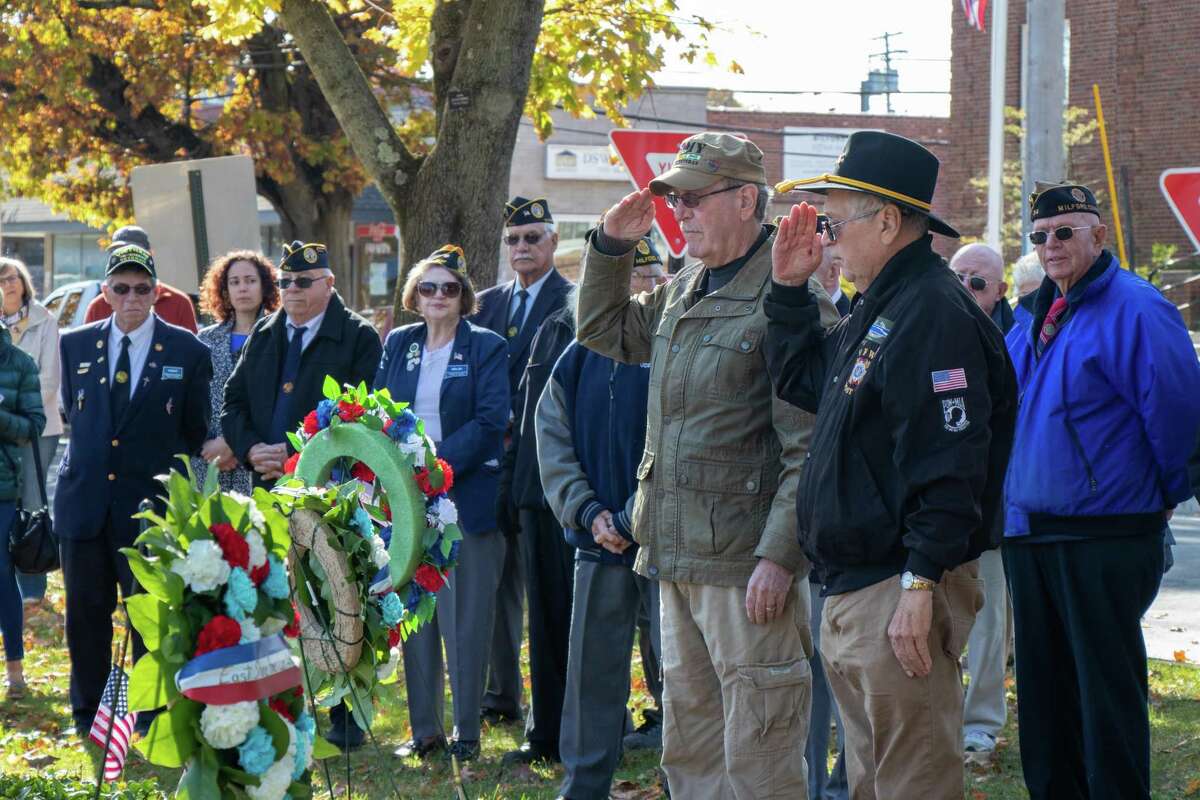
693, 200
974, 281
302, 283
449, 289
1062, 234
142, 289
530, 238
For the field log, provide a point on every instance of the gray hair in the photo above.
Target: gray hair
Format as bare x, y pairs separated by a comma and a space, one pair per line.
18, 266
1028, 269
548, 227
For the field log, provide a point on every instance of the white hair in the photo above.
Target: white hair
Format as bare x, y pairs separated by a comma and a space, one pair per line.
1028, 269
546, 226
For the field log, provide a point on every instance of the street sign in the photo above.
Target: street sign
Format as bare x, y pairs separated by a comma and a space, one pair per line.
646, 155
1181, 187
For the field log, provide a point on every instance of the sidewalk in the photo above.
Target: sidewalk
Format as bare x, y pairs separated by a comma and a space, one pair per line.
1173, 622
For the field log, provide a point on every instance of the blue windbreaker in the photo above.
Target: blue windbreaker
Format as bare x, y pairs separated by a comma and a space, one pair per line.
1108, 415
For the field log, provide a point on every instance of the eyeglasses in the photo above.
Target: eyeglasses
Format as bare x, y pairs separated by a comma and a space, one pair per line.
974, 281
10, 279
302, 283
449, 289
530, 238
1062, 234
142, 289
693, 200
830, 227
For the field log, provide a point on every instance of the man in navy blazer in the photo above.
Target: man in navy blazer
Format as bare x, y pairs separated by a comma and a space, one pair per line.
135, 390
516, 310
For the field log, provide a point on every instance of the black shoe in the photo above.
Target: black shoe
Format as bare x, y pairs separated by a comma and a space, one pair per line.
530, 753
344, 733
423, 748
463, 750
494, 716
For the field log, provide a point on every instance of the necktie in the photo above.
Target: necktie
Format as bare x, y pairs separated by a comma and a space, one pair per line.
120, 383
287, 385
518, 317
1050, 326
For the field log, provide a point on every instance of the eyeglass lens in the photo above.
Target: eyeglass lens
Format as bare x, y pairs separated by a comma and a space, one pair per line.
1062, 234
142, 289
303, 283
449, 289
530, 238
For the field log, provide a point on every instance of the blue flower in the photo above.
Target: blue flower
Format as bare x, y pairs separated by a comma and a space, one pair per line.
241, 598
304, 743
305, 723
454, 546
325, 411
435, 552
257, 753
392, 609
362, 523
415, 593
276, 584
385, 533
403, 424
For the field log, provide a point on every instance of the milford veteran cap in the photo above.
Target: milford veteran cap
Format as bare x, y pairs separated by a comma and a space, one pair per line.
1052, 199
645, 254
522, 211
705, 157
130, 256
451, 257
298, 257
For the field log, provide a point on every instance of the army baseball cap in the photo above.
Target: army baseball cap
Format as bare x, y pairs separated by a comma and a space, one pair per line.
130, 256
705, 157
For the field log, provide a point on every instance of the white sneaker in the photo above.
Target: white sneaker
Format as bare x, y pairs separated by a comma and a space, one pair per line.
978, 747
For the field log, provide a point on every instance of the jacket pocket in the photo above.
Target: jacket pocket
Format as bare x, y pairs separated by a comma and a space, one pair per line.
734, 501
851, 520
727, 362
962, 589
770, 707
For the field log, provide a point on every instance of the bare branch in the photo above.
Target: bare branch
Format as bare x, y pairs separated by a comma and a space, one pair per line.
105, 5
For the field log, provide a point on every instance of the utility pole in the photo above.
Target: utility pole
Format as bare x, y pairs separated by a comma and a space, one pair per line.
1042, 156
886, 55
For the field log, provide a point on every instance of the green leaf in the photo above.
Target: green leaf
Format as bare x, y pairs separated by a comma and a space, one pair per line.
174, 649
172, 738
149, 618
210, 480
360, 393
297, 442
274, 725
149, 576
151, 683
372, 422
323, 749
330, 388
239, 776
199, 782
300, 791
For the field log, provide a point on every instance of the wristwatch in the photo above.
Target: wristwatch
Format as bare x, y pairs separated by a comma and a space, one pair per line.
915, 583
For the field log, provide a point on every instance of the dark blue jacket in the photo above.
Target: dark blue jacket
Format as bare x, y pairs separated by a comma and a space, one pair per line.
473, 409
109, 468
1108, 413
591, 431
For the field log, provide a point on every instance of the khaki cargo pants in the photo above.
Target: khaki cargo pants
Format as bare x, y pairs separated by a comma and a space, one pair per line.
735, 695
903, 735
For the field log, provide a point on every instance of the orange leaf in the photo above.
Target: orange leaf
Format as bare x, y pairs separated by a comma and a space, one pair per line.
1192, 787
1181, 655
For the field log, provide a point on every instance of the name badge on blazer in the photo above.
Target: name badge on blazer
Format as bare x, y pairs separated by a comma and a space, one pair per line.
172, 373
456, 371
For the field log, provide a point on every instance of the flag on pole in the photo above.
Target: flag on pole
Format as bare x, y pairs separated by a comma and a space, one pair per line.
975, 10
114, 711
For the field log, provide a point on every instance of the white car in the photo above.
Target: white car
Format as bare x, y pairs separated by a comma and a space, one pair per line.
68, 303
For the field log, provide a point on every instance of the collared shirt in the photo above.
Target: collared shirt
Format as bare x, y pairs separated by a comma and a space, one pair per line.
837, 295
310, 329
532, 289
139, 347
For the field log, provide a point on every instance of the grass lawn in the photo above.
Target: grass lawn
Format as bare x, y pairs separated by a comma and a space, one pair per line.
35, 737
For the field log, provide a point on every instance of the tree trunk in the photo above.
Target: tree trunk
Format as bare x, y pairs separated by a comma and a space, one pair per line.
310, 216
482, 56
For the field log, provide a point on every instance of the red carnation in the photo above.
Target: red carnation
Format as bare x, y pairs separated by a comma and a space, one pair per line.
428, 578
393, 637
350, 411
292, 629
311, 426
260, 573
221, 631
289, 466
362, 472
280, 707
423, 479
233, 546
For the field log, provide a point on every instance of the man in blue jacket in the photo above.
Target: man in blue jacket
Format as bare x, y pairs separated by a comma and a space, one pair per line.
591, 430
1110, 406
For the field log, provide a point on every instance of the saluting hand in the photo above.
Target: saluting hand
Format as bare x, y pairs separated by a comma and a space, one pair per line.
630, 218
796, 254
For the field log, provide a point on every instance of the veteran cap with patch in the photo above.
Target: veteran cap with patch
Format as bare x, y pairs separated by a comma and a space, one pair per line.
523, 211
645, 253
130, 256
706, 157
1052, 199
451, 257
299, 256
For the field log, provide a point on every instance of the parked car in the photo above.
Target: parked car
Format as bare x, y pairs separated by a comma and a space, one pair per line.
68, 303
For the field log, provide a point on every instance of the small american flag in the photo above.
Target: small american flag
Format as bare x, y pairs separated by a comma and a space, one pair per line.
975, 10
114, 709
945, 380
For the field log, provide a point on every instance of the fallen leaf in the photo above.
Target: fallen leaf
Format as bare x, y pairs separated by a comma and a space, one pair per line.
1181, 655
1192, 787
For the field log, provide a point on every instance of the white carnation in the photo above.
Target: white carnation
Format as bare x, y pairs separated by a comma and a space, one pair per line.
250, 631
379, 553
414, 445
273, 784
227, 726
258, 550
445, 513
203, 568
385, 670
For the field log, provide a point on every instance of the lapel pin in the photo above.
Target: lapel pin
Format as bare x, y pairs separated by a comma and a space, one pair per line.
158, 347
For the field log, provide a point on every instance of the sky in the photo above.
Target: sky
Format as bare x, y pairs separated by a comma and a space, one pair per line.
795, 45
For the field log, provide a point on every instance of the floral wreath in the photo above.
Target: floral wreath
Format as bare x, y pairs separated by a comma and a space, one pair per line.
213, 617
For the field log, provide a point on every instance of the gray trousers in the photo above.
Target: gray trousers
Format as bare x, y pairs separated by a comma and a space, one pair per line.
987, 652
608, 598
504, 684
463, 620
823, 784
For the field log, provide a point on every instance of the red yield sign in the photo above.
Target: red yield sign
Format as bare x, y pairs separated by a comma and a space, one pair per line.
646, 155
1181, 187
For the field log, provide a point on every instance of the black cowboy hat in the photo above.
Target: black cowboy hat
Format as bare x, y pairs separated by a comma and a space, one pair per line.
888, 166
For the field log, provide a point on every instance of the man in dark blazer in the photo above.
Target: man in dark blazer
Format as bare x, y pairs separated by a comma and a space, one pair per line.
135, 390
516, 310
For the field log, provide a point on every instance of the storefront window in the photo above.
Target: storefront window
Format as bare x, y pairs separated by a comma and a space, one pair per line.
32, 251
77, 257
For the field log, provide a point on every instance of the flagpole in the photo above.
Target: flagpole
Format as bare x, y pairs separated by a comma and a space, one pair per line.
995, 196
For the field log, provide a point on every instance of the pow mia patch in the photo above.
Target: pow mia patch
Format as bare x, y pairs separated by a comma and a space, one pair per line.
954, 412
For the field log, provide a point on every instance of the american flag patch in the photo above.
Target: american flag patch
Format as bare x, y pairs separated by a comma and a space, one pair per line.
947, 380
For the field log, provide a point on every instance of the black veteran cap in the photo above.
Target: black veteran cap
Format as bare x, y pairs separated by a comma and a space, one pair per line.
298, 257
522, 211
705, 157
1052, 199
129, 234
645, 254
886, 165
130, 255
451, 257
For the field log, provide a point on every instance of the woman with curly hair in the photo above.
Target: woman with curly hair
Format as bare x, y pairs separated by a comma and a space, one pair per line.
239, 287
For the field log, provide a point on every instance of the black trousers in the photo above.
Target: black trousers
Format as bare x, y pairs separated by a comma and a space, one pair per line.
92, 571
1082, 687
549, 583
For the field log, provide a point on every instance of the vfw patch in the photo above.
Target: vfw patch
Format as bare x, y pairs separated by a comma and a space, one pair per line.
954, 412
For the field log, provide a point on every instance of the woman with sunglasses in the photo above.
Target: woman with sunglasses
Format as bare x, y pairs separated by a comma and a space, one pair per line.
454, 376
